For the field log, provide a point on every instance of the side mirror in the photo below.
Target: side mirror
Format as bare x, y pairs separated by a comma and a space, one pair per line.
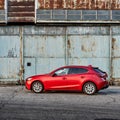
54, 75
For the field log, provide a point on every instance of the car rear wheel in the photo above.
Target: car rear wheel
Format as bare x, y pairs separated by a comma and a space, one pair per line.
89, 88
37, 87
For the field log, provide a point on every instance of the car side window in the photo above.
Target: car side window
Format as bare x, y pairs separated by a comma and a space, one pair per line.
77, 70
63, 71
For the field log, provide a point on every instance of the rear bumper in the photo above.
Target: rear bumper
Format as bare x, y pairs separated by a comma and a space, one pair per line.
106, 86
103, 85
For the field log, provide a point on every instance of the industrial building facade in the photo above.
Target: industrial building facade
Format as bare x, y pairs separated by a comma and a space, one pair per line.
37, 36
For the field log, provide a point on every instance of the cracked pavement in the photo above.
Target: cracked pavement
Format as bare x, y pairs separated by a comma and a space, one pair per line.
17, 103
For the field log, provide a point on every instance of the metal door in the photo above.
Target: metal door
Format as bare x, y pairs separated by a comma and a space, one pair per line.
29, 66
89, 45
9, 54
44, 49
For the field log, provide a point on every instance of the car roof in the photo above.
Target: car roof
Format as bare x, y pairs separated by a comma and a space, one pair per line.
79, 66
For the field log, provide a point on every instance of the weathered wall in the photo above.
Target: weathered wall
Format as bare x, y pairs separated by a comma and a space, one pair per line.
9, 54
2, 4
40, 49
78, 10
79, 4
39, 11
21, 11
2, 11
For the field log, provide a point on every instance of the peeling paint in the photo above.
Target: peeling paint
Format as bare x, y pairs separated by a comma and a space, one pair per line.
2, 4
21, 11
79, 4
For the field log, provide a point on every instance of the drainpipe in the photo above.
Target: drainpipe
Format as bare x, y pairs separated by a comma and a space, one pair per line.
66, 47
111, 55
21, 72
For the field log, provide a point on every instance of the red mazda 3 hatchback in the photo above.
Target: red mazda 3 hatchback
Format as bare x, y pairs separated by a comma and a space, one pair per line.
86, 79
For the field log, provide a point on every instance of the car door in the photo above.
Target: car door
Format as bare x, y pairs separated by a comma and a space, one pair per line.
57, 81
74, 78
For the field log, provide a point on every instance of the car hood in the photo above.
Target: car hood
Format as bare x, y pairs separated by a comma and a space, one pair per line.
38, 76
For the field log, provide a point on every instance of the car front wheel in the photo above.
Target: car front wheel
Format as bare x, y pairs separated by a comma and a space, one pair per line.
89, 88
37, 87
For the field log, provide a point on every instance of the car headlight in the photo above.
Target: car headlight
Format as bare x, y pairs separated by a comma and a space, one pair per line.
29, 78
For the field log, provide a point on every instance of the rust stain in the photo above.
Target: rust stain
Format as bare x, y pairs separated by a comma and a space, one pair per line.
69, 48
69, 44
21, 10
114, 46
79, 4
88, 47
1, 4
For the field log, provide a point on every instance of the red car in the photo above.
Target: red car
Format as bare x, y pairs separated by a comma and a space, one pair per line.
86, 79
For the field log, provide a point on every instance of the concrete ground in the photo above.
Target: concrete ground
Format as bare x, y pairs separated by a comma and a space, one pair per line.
17, 103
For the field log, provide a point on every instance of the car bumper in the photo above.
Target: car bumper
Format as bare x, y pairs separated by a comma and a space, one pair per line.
28, 85
103, 85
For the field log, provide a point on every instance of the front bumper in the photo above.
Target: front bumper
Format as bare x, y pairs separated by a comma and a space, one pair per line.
28, 84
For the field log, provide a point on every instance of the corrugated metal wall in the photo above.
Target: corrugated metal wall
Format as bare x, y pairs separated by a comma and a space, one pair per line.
40, 49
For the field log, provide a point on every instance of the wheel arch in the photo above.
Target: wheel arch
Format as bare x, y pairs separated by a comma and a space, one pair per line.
37, 81
88, 82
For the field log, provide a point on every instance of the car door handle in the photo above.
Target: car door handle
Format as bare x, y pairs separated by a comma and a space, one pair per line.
82, 76
64, 78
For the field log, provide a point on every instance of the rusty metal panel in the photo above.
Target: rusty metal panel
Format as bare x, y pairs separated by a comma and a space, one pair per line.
9, 30
29, 66
2, 16
44, 46
52, 47
9, 55
88, 30
21, 11
116, 46
9, 69
2, 12
79, 4
48, 64
43, 50
89, 45
40, 30
9, 50
2, 4
116, 52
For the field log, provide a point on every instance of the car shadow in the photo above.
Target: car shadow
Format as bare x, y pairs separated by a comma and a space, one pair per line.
109, 91
106, 119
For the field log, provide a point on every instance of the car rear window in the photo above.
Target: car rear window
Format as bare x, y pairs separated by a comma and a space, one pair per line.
98, 70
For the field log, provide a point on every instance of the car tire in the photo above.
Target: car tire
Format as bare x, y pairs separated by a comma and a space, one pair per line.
37, 87
89, 88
